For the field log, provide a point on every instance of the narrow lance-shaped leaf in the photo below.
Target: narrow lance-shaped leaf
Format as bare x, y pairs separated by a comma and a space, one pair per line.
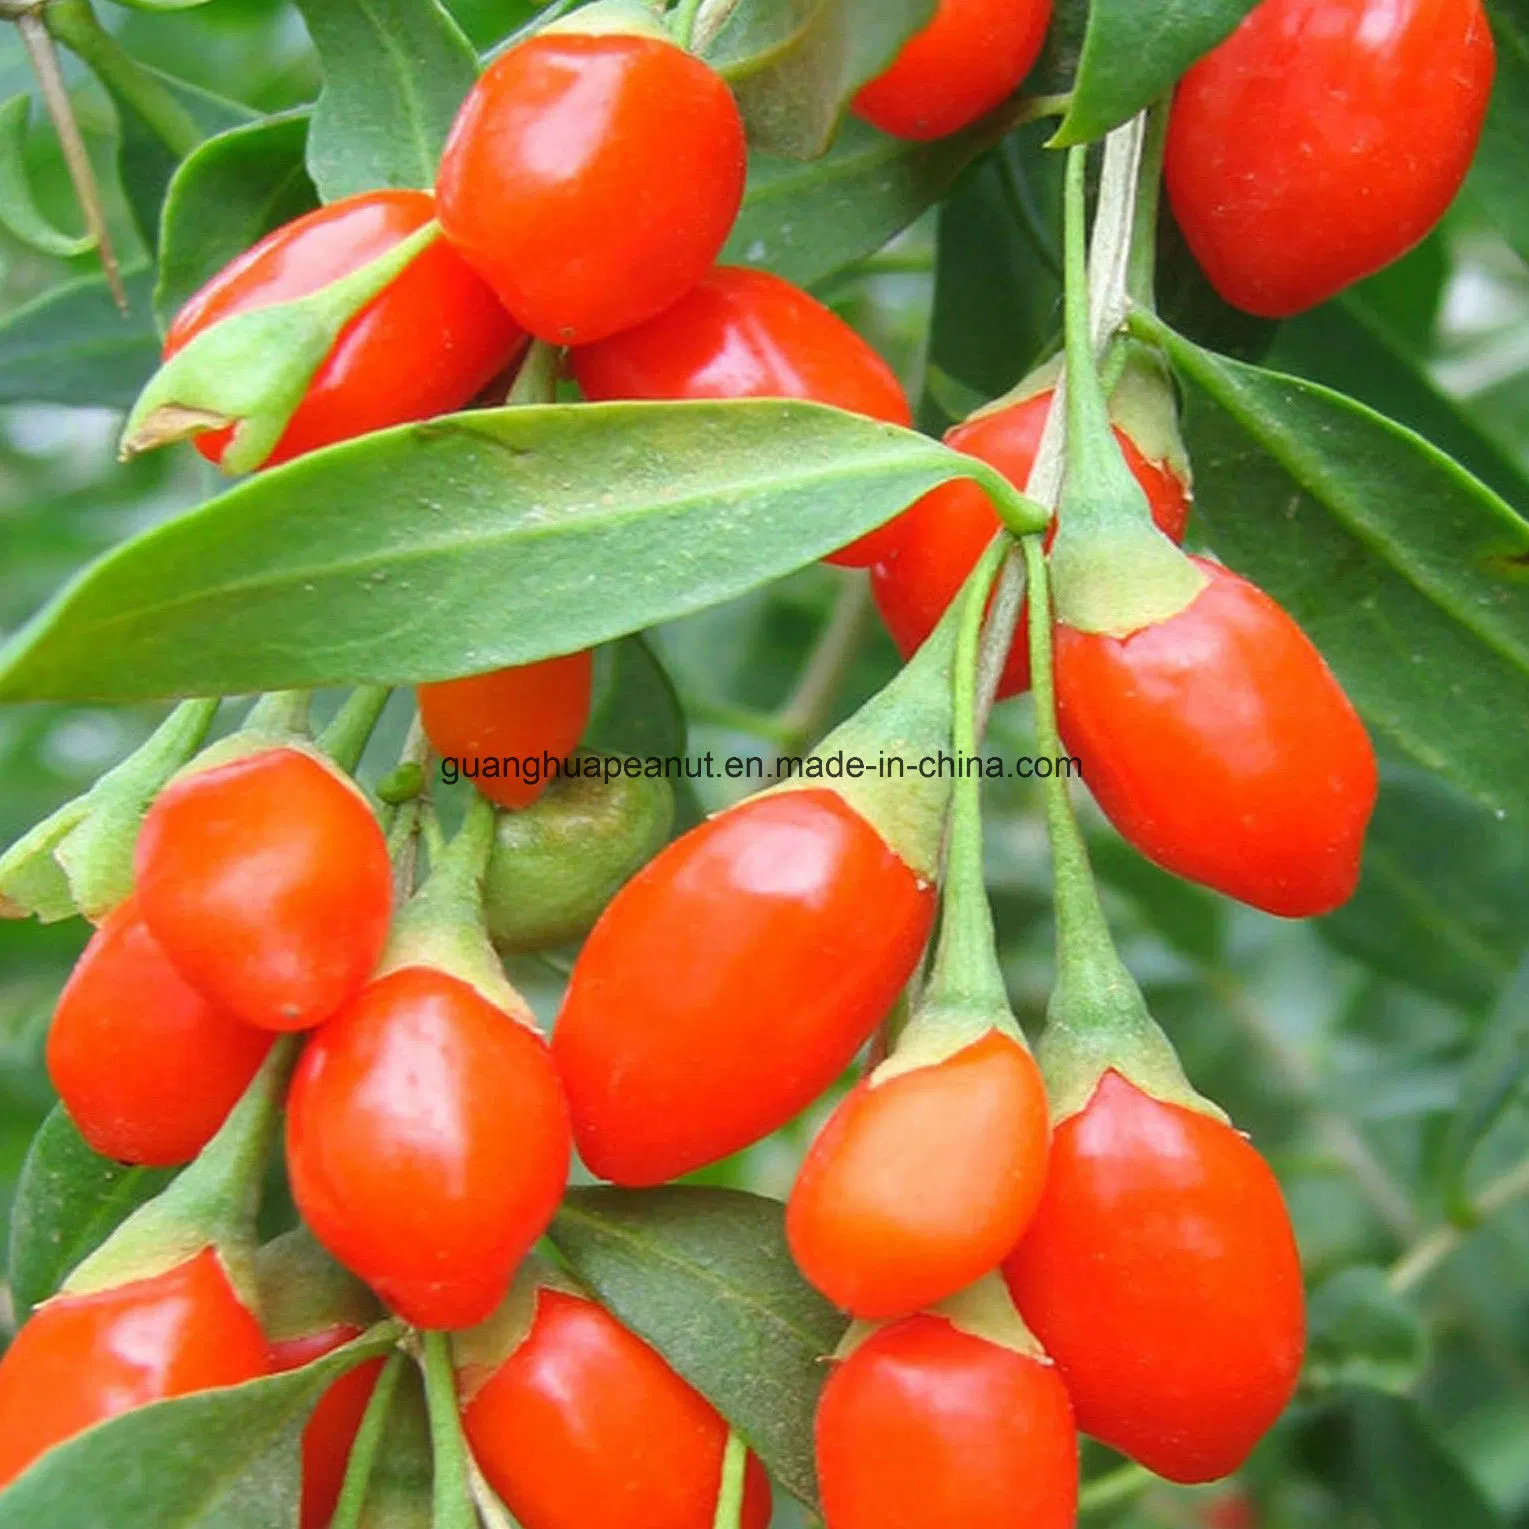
1134, 53
68, 1201
705, 1276
395, 72
1409, 574
806, 220
226, 196
73, 346
475, 541
19, 211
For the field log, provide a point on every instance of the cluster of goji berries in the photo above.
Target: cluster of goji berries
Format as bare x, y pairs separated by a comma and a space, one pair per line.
1026, 1257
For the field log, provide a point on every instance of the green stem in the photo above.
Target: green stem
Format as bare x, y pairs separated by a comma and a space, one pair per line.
730, 1497
1141, 270
1083, 932
279, 711
363, 1452
682, 21
346, 737
453, 1505
1089, 438
38, 42
1430, 1251
1114, 1488
966, 974
536, 380
74, 24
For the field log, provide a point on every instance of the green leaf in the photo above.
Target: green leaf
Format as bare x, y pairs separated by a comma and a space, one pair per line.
225, 1459
1348, 346
1493, 1078
146, 164
19, 211
806, 221
1502, 158
72, 346
1410, 575
226, 196
397, 558
1134, 53
997, 293
1359, 1333
1443, 902
705, 1276
635, 710
795, 64
395, 72
1399, 1473
69, 1200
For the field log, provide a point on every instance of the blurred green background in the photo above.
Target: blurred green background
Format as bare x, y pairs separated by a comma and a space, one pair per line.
1342, 1046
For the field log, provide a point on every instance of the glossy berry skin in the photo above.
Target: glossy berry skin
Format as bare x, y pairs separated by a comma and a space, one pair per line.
1368, 115
79, 1360
266, 881
974, 54
936, 542
1162, 1276
427, 1142
919, 1185
146, 1066
332, 1426
426, 345
731, 981
1219, 743
925, 1426
585, 1424
592, 180
742, 333
532, 712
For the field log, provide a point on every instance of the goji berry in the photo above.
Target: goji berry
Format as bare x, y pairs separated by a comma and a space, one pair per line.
1162, 1276
1368, 118
731, 981
583, 1423
427, 1143
80, 1359
971, 56
1219, 743
266, 881
509, 729
426, 345
592, 180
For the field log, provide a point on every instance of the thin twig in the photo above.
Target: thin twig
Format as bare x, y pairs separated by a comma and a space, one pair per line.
1415, 1265
806, 713
82, 175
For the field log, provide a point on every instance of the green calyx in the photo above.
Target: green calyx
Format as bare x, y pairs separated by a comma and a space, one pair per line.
985, 1310
80, 859
302, 1290
556, 864
442, 926
611, 18
213, 1203
1144, 405
1113, 571
886, 741
252, 370
477, 1352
